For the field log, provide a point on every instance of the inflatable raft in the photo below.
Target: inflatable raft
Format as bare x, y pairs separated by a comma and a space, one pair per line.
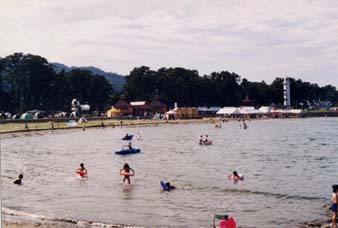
127, 137
128, 151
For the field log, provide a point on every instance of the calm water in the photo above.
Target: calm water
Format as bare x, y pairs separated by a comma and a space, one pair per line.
289, 167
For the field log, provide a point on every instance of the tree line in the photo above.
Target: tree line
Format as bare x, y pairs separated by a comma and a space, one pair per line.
30, 82
223, 88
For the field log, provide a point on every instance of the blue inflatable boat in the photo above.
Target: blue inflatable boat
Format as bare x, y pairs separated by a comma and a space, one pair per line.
127, 137
128, 151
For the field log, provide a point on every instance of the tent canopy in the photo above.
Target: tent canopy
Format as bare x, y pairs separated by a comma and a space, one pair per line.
264, 109
26, 116
114, 110
35, 111
247, 110
228, 111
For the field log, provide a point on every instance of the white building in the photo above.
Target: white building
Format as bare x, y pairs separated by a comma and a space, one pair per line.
287, 93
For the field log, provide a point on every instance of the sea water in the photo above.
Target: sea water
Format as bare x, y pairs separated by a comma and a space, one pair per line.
289, 166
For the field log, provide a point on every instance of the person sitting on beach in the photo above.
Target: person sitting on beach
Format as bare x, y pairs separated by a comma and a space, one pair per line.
125, 172
334, 205
130, 146
19, 180
82, 171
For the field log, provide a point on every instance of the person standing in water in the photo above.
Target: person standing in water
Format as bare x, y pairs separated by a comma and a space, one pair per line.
201, 139
334, 205
19, 180
206, 138
125, 172
82, 171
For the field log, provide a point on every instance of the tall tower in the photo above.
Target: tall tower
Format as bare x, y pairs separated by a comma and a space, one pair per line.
286, 92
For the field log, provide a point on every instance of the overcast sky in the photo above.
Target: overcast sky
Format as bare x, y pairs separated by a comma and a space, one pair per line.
258, 39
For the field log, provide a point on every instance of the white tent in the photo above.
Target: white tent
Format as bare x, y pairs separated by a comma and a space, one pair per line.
248, 110
228, 111
264, 109
295, 111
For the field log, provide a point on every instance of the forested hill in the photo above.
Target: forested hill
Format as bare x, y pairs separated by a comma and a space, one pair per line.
115, 79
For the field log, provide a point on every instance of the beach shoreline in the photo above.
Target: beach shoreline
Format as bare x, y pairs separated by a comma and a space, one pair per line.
107, 123
12, 224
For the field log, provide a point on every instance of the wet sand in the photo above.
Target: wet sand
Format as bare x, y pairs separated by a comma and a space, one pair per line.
6, 224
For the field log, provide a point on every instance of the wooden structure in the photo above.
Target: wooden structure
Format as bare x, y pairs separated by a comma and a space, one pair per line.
140, 108
124, 107
182, 113
156, 106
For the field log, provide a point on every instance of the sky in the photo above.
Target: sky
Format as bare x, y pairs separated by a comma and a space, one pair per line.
257, 39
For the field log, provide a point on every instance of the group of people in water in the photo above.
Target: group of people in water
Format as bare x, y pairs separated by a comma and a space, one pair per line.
203, 140
126, 172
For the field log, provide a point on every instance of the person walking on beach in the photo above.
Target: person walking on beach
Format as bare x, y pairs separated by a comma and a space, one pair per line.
19, 180
334, 205
125, 172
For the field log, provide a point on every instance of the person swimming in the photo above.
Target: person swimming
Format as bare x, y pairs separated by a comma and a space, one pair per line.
169, 186
19, 180
125, 172
235, 177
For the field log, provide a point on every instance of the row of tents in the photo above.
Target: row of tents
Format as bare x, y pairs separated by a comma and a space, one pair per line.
28, 115
250, 110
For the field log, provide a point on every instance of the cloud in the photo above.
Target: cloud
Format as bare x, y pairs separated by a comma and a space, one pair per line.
258, 39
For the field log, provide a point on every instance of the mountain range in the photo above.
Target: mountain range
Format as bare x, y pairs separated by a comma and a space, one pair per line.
117, 80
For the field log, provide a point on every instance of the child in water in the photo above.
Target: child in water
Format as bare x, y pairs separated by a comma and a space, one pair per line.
235, 177
19, 180
125, 172
334, 205
201, 139
82, 171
